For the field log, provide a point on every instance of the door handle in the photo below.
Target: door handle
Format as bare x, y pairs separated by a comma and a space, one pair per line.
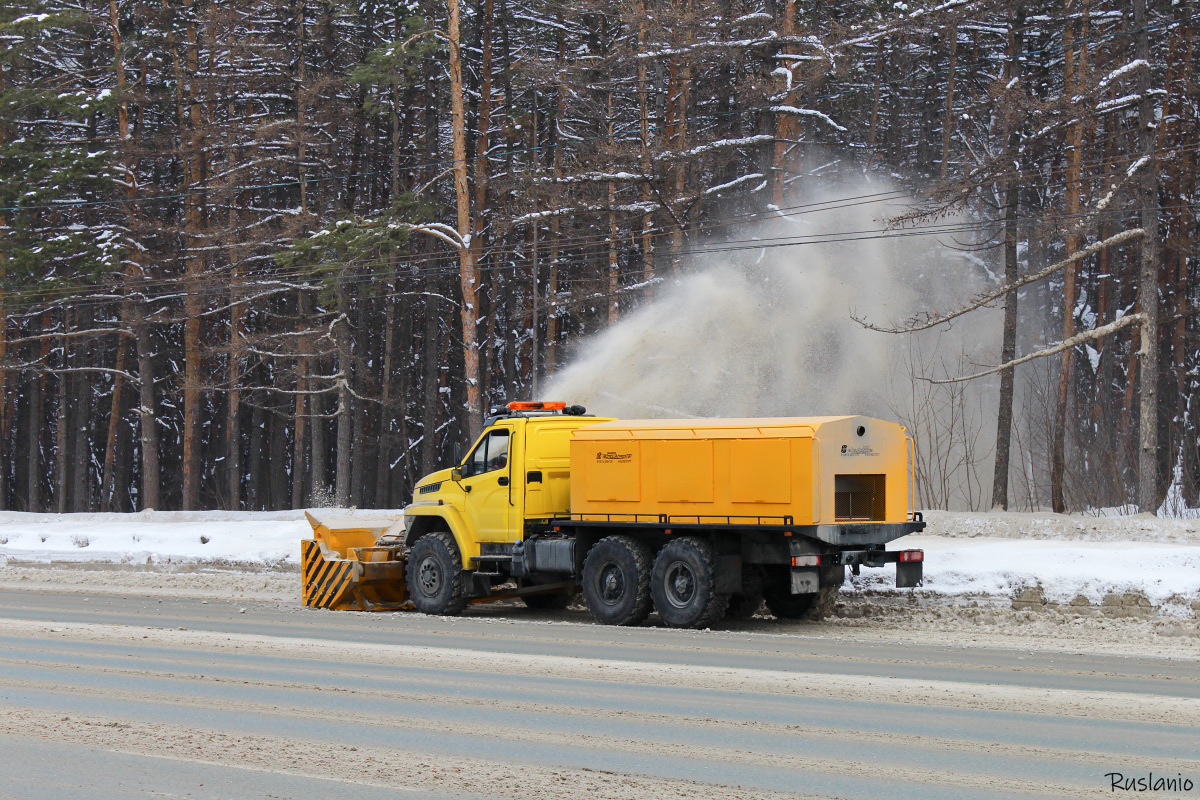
502, 480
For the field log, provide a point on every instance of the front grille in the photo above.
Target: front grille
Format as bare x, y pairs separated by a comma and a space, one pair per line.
858, 498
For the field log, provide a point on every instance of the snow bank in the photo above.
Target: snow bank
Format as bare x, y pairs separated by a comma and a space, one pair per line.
1164, 573
992, 554
268, 539
1064, 527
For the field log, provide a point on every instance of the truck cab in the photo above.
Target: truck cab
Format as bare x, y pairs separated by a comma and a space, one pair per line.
513, 481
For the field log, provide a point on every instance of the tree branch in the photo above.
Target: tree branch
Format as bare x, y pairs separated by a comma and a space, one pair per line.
1086, 336
914, 326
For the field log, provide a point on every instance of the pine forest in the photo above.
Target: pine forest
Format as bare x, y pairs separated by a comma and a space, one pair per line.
266, 254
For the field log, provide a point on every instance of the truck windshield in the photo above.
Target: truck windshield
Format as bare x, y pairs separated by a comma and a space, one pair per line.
490, 454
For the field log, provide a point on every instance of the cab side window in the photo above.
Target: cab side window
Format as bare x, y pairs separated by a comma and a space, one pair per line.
491, 453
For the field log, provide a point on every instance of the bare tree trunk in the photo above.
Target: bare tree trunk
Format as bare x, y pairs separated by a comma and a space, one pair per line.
233, 418
107, 484
1148, 478
147, 416
468, 270
5, 416
647, 192
534, 295
345, 421
1073, 191
61, 428
1008, 352
787, 129
123, 469
552, 306
108, 487
948, 115
280, 494
33, 443
301, 427
358, 460
680, 73
133, 310
383, 466
1185, 177
257, 492
319, 454
194, 269
80, 442
430, 358
552, 299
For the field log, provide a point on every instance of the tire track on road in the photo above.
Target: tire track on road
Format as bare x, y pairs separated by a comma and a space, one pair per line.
1106, 705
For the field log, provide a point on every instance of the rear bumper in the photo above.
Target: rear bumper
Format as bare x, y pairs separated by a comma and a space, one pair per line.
860, 534
811, 571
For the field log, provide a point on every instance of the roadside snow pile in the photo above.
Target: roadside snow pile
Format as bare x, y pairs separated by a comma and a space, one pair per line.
268, 539
1167, 574
980, 554
1063, 527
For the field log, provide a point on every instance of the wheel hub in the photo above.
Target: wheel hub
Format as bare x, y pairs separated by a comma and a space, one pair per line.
430, 576
680, 585
612, 584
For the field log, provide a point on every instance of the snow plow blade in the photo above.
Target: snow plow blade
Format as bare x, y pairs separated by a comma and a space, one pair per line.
344, 568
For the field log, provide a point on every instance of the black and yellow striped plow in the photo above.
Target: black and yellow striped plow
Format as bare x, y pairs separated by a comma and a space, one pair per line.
372, 579
342, 570
328, 582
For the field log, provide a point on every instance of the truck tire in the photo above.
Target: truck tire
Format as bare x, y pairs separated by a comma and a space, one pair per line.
616, 581
814, 606
683, 584
435, 575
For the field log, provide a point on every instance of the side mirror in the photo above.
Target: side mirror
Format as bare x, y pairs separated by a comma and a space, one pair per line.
456, 475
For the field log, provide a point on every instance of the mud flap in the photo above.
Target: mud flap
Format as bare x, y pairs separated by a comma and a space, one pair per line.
909, 574
806, 580
729, 574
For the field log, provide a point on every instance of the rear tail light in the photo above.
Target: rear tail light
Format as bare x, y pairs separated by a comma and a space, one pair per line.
912, 555
806, 561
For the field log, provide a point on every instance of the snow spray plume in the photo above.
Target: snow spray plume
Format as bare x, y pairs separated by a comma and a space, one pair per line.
769, 331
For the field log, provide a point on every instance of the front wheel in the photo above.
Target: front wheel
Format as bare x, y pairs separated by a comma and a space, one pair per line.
435, 575
684, 584
616, 581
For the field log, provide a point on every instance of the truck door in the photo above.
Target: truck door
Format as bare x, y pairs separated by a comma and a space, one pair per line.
487, 477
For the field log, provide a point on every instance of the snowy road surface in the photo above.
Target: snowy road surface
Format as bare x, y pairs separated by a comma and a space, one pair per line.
108, 696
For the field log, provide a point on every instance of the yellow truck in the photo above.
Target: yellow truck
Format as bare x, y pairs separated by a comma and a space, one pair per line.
693, 518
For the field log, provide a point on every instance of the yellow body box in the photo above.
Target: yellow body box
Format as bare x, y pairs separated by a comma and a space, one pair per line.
763, 471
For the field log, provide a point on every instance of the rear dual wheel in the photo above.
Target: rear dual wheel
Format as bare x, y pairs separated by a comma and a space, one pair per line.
683, 584
621, 582
616, 580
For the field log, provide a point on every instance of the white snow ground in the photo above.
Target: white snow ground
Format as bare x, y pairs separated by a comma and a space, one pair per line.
248, 540
966, 554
